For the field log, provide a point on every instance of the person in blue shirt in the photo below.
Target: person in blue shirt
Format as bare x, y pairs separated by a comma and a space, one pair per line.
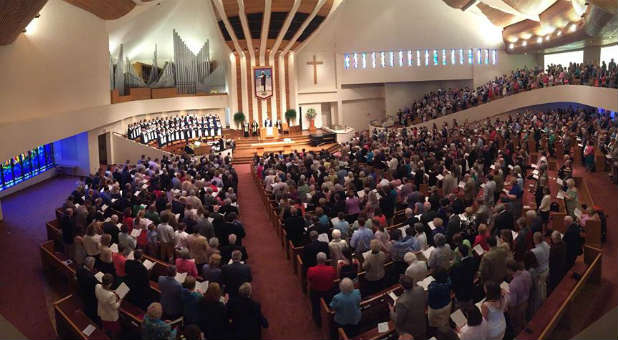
171, 299
346, 305
361, 238
399, 246
190, 301
439, 300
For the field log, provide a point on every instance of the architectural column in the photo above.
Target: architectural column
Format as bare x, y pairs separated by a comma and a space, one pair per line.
592, 55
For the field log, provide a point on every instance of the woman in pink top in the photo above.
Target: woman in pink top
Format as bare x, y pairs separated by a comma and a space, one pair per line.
185, 264
352, 206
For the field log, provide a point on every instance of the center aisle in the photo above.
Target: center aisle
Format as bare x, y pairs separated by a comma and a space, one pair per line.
275, 286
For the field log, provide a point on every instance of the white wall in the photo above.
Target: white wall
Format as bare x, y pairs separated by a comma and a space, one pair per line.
358, 113
124, 149
73, 152
61, 64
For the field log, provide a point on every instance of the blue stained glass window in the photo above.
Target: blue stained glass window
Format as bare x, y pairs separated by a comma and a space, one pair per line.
453, 59
364, 60
478, 56
355, 60
26, 165
391, 59
401, 58
418, 57
373, 60
426, 57
461, 56
382, 59
470, 57
410, 61
493, 57
435, 58
486, 57
444, 61
346, 61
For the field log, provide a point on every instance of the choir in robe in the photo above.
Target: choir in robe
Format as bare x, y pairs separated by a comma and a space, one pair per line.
171, 129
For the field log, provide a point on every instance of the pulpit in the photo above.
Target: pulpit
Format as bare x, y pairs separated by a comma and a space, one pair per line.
268, 133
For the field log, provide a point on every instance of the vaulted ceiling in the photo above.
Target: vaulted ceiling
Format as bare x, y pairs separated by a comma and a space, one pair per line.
258, 26
534, 25
15, 16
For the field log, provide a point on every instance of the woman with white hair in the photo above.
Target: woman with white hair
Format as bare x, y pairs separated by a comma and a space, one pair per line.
336, 245
153, 328
374, 266
346, 305
410, 259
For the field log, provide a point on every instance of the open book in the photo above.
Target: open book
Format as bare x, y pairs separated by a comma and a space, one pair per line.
122, 290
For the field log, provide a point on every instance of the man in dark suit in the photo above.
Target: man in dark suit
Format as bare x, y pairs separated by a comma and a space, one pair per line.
87, 282
68, 231
503, 219
231, 226
295, 227
235, 274
246, 314
312, 249
226, 251
110, 227
138, 280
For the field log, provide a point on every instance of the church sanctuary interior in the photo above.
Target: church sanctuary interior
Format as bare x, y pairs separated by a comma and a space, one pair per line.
308, 169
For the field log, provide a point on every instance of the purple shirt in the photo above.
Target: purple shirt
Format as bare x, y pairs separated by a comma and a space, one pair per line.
352, 205
519, 288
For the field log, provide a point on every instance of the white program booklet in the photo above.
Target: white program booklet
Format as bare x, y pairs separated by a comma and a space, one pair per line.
478, 249
114, 248
136, 232
383, 327
323, 238
180, 277
425, 283
202, 286
99, 276
122, 290
431, 225
505, 286
148, 264
459, 318
427, 252
89, 330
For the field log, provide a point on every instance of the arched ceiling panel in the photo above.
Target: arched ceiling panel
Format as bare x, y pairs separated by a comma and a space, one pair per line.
15, 16
105, 9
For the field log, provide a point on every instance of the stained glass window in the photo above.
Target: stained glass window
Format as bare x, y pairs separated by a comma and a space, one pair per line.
418, 57
346, 61
355, 60
382, 59
478, 56
461, 56
26, 165
435, 57
364, 60
373, 60
470, 56
400, 58
426, 57
391, 59
493, 57
410, 61
453, 59
444, 57
486, 57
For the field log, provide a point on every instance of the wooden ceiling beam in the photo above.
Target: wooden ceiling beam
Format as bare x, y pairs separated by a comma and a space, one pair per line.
105, 9
15, 15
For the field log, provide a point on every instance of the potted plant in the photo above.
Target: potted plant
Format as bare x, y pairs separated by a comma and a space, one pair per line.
310, 115
290, 115
239, 119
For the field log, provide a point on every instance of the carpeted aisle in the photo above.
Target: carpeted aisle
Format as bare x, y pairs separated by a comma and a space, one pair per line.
275, 285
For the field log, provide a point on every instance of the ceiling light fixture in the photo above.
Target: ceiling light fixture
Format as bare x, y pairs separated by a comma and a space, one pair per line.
547, 37
559, 33
539, 40
524, 44
511, 46
572, 28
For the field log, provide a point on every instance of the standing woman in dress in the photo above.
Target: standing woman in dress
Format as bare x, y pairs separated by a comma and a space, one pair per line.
571, 199
493, 309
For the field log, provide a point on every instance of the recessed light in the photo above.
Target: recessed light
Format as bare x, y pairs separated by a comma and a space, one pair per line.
539, 40
524, 44
511, 46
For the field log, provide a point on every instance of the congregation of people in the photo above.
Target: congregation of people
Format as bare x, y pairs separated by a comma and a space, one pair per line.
475, 239
166, 130
445, 101
182, 213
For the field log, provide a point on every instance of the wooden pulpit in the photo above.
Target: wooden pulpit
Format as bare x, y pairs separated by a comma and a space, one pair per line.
268, 133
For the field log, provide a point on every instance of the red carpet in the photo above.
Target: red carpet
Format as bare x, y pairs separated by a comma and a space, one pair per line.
275, 286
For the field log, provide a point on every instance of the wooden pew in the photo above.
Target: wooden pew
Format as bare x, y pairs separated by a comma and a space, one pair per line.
57, 263
562, 297
371, 307
71, 320
593, 227
371, 334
